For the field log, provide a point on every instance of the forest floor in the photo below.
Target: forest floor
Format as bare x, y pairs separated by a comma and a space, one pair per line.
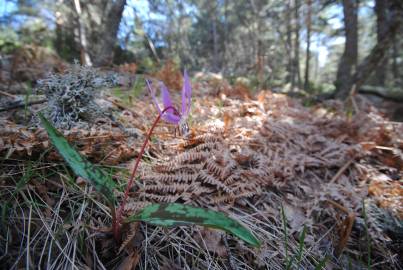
321, 187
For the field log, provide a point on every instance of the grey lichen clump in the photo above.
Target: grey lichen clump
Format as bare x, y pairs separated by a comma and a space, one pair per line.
71, 96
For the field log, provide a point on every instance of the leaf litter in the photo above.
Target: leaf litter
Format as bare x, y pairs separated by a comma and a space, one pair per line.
338, 176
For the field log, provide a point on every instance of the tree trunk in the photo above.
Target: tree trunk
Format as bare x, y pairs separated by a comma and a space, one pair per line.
308, 44
348, 61
290, 65
225, 36
84, 55
260, 61
296, 43
259, 51
104, 35
395, 55
91, 27
213, 18
381, 28
67, 40
215, 43
374, 59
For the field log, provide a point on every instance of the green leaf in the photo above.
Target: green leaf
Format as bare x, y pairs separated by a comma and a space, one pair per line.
79, 164
175, 214
321, 265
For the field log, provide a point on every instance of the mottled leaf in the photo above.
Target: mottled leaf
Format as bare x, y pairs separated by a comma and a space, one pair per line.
79, 164
175, 214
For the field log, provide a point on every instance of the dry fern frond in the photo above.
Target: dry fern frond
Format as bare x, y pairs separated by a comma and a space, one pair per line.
187, 157
160, 198
180, 177
213, 167
134, 206
225, 198
210, 179
173, 167
101, 144
201, 141
129, 236
206, 146
175, 188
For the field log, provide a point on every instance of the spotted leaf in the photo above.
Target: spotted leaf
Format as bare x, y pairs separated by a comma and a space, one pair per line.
79, 164
175, 214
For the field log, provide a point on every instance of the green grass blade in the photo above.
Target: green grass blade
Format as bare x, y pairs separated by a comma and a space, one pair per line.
24, 179
79, 164
288, 262
175, 214
364, 213
18, 187
301, 246
322, 263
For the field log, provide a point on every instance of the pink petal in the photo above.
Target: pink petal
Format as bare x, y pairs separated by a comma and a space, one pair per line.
166, 98
172, 118
169, 115
152, 93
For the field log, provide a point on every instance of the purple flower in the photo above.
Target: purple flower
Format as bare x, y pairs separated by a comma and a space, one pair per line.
174, 116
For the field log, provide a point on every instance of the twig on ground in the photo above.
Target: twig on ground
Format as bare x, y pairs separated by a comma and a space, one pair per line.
341, 171
345, 228
7, 94
22, 104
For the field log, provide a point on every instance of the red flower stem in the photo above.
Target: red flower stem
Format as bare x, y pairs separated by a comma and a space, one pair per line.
116, 223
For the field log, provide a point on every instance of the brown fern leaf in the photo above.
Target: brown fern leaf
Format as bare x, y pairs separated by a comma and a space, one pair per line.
173, 167
171, 178
225, 198
130, 235
231, 179
213, 167
160, 198
135, 206
198, 190
202, 139
229, 167
207, 146
205, 177
174, 188
187, 157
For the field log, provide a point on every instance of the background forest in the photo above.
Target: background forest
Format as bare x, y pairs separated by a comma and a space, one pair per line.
286, 151
294, 45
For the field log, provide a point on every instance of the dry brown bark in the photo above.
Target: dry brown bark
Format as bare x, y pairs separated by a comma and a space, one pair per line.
296, 44
349, 58
377, 54
308, 43
375, 57
381, 11
104, 35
